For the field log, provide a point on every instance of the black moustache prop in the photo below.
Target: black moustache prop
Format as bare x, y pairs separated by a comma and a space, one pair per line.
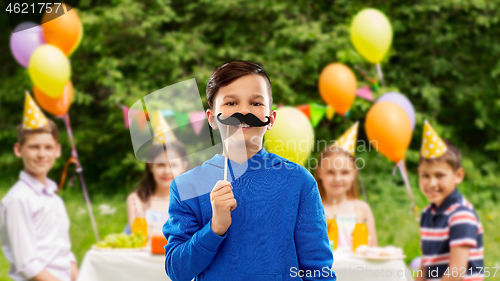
238, 118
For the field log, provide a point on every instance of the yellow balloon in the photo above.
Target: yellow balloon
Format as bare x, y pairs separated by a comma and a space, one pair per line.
371, 34
49, 69
292, 135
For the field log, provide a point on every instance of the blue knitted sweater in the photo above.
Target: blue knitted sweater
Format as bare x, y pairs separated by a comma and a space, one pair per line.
278, 229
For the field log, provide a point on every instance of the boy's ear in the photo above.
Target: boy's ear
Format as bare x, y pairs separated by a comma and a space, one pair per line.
272, 118
459, 175
17, 150
211, 119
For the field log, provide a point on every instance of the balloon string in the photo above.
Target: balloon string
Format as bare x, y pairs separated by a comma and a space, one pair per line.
361, 184
380, 74
79, 169
404, 173
71, 160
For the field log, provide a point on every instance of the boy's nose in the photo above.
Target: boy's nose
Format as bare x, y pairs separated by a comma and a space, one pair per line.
243, 109
433, 182
41, 153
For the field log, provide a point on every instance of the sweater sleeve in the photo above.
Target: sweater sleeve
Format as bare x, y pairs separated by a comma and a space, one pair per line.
311, 236
191, 247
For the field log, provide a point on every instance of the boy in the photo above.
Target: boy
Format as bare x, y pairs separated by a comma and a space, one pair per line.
34, 224
450, 231
269, 224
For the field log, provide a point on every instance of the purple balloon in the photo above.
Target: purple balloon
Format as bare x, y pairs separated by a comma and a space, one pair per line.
402, 101
25, 41
416, 263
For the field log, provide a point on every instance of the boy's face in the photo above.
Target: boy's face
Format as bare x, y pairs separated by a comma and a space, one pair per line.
39, 153
437, 180
247, 94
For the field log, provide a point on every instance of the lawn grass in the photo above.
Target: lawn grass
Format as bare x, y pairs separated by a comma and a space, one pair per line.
390, 206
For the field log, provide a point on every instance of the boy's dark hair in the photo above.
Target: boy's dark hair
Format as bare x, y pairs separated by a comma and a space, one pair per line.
452, 156
230, 71
50, 128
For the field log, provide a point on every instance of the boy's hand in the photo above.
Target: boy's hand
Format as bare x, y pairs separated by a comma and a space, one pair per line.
223, 202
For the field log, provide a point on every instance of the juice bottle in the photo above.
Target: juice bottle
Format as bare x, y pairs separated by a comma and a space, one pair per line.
359, 235
158, 243
333, 231
331, 226
140, 225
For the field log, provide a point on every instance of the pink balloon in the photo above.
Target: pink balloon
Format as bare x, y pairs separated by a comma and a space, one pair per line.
25, 41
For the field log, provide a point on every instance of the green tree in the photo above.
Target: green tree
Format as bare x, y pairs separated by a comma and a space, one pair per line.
445, 58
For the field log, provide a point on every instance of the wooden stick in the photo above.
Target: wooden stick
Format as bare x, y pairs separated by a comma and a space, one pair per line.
225, 153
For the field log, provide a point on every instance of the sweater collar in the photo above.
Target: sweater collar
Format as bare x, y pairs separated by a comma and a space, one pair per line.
259, 161
219, 160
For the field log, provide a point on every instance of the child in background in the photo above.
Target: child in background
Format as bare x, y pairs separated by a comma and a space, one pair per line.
152, 197
451, 235
34, 223
336, 177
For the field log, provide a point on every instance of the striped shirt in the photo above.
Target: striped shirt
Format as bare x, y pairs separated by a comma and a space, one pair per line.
453, 223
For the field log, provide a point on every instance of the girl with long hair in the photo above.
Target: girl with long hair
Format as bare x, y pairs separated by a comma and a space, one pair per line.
336, 178
151, 199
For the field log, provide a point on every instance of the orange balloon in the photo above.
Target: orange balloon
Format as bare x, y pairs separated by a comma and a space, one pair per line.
65, 31
389, 129
337, 86
57, 106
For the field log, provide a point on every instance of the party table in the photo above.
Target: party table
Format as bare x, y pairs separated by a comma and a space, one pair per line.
122, 265
348, 267
135, 265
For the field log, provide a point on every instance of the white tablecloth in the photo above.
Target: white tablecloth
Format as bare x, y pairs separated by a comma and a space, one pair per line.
141, 265
122, 266
349, 268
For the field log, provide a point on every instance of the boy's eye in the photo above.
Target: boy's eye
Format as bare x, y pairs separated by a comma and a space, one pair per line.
230, 103
256, 103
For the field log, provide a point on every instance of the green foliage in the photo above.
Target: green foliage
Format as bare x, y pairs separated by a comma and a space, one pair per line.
445, 58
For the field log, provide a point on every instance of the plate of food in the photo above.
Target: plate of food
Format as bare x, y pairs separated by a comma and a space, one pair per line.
98, 248
379, 253
121, 242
